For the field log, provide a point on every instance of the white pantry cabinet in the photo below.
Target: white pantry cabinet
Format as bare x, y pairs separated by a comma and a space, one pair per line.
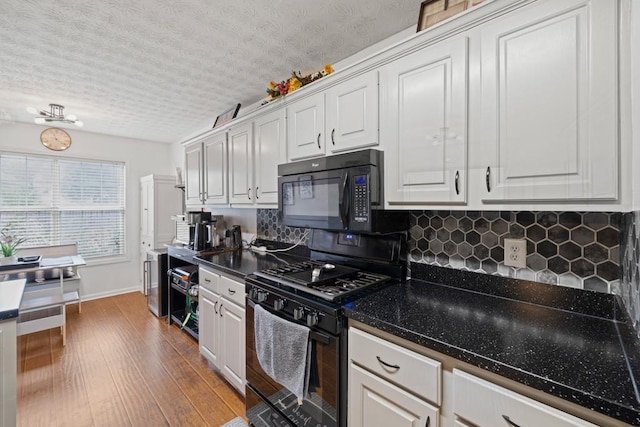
423, 124
305, 127
352, 113
159, 200
549, 102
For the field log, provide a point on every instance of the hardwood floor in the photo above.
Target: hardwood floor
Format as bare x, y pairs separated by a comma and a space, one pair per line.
121, 366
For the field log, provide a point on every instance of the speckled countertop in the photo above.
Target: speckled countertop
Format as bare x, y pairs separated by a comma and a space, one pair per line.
573, 344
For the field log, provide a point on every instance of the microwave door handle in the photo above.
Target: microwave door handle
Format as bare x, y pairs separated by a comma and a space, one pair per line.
345, 204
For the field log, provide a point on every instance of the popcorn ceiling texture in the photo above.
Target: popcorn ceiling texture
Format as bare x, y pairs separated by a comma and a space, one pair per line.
161, 70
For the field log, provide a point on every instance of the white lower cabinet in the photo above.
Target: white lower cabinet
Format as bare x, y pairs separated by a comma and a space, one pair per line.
483, 403
390, 385
222, 325
376, 402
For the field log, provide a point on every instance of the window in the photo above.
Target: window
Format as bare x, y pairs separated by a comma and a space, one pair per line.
55, 201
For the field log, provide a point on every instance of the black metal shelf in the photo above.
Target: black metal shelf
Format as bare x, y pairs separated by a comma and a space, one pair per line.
191, 327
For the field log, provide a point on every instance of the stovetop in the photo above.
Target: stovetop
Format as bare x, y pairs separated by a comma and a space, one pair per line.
331, 282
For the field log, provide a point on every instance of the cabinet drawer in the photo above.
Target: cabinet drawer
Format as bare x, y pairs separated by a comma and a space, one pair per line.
486, 404
406, 368
208, 279
232, 290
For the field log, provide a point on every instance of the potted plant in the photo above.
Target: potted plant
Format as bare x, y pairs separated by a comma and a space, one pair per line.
9, 243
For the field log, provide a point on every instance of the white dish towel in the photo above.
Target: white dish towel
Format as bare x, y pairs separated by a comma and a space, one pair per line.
283, 350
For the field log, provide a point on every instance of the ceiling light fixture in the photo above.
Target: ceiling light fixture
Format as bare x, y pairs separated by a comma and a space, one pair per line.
55, 114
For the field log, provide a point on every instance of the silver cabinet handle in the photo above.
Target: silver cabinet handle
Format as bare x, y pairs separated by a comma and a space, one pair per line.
508, 420
333, 141
382, 362
488, 178
319, 141
457, 181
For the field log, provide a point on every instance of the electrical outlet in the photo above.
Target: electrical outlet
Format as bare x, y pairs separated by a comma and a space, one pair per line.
515, 253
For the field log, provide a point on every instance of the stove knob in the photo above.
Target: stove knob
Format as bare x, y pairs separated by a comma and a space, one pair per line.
312, 319
262, 296
253, 293
298, 313
278, 304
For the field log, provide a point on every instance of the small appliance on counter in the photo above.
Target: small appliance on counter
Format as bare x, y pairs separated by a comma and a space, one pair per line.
205, 231
233, 237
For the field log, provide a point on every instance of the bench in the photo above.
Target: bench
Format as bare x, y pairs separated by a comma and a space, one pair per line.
49, 289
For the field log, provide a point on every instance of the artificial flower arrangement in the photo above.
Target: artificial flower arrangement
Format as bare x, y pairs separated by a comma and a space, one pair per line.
9, 242
295, 82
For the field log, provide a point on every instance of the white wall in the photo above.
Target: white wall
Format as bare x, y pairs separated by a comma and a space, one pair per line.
101, 278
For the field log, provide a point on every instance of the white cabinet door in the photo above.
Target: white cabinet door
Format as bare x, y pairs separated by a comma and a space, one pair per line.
376, 402
146, 208
305, 127
270, 150
423, 124
232, 337
241, 164
215, 169
193, 174
549, 102
209, 325
352, 113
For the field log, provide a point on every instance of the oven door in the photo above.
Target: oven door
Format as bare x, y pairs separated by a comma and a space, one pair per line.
271, 404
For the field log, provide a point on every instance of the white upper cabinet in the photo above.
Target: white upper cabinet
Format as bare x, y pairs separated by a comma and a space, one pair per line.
270, 151
549, 102
215, 171
352, 113
305, 127
193, 174
423, 124
241, 164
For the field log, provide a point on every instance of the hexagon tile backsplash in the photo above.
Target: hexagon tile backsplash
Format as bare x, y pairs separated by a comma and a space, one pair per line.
629, 288
576, 249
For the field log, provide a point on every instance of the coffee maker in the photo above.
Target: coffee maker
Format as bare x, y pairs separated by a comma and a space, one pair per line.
205, 230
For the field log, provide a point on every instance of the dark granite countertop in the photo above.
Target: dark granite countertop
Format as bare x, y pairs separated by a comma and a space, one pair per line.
573, 344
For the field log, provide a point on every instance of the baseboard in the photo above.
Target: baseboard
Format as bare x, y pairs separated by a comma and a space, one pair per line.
89, 297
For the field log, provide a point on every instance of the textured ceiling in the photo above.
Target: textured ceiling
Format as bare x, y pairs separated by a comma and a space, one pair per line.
161, 70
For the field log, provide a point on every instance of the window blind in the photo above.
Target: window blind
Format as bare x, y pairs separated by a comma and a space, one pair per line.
53, 201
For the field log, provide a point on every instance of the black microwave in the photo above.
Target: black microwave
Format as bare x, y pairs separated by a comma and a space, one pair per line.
340, 192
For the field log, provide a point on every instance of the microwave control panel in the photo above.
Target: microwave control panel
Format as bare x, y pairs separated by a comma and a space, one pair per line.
361, 198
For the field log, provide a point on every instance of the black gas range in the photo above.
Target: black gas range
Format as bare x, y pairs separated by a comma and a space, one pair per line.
343, 267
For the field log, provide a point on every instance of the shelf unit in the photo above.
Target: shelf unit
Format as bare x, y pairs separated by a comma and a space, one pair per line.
179, 301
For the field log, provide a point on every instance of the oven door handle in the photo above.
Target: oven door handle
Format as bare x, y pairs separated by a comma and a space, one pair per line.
314, 335
345, 202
